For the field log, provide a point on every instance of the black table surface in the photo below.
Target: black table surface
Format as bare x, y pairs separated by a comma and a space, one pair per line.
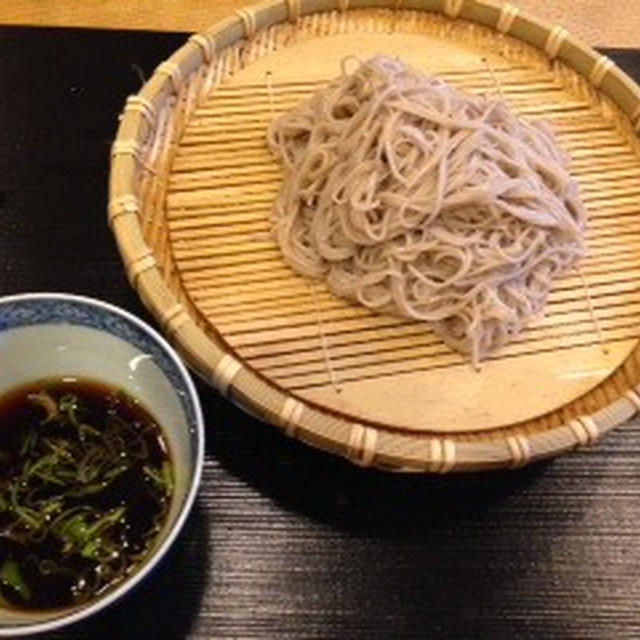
285, 541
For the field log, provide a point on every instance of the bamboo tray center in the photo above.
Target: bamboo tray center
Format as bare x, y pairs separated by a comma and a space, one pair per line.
381, 368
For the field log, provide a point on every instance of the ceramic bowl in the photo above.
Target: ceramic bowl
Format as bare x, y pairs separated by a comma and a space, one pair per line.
45, 336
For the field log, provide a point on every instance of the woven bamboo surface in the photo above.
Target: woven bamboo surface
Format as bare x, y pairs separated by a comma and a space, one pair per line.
191, 189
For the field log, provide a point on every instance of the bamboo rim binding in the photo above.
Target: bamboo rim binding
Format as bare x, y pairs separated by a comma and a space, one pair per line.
136, 188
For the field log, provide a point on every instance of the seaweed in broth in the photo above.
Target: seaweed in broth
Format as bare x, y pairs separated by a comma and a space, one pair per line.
85, 486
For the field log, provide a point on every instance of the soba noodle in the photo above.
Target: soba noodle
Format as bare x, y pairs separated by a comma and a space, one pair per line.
412, 197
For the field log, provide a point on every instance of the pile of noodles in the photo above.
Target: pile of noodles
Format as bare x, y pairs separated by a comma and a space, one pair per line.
415, 198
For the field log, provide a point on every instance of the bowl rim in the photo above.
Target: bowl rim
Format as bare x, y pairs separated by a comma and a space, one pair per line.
129, 583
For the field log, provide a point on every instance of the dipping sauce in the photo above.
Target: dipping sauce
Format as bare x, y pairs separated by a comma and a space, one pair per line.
85, 486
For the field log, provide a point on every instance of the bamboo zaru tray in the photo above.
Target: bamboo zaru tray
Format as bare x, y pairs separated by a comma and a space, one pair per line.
192, 186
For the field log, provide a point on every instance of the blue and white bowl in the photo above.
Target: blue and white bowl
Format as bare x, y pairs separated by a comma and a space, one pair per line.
50, 335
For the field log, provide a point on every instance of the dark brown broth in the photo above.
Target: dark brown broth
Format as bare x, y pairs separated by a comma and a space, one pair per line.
57, 560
